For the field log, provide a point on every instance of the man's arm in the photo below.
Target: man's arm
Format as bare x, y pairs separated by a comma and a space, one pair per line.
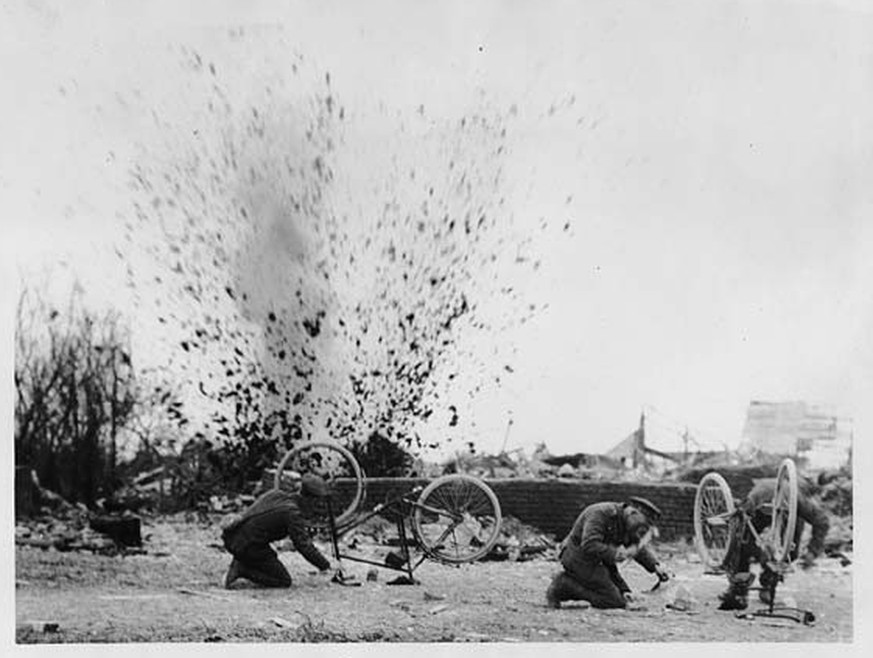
617, 580
647, 560
303, 543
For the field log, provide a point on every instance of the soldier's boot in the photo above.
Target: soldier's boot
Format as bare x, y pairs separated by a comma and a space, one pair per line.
736, 597
769, 580
563, 588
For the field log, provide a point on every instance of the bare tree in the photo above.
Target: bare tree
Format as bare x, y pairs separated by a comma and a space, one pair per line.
75, 391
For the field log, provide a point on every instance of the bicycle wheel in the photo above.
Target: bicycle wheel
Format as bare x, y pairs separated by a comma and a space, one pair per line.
456, 519
337, 467
713, 508
784, 519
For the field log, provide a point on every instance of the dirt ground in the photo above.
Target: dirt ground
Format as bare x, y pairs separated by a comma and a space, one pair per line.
173, 593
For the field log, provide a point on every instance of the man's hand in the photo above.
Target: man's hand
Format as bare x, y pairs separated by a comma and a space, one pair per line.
622, 553
342, 579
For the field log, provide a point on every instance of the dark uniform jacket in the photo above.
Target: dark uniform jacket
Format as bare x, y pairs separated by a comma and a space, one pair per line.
760, 499
273, 516
596, 535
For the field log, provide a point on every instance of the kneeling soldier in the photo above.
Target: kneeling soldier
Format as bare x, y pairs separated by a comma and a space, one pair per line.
744, 549
275, 515
604, 535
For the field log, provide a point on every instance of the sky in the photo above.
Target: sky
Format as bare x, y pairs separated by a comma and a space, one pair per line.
712, 160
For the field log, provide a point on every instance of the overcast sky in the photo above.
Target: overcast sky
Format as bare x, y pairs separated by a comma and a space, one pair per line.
717, 156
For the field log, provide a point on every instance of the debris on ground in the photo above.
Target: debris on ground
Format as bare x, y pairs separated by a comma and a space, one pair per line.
429, 596
125, 530
208, 595
518, 542
283, 623
38, 626
63, 534
109, 528
680, 599
65, 526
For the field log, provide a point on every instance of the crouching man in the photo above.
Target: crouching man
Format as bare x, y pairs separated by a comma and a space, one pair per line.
604, 535
744, 548
275, 515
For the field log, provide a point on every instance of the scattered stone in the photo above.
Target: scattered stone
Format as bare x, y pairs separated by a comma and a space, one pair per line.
519, 542
209, 595
283, 623
428, 596
39, 626
681, 600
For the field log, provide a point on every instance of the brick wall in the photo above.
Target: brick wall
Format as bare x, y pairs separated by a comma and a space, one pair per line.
553, 505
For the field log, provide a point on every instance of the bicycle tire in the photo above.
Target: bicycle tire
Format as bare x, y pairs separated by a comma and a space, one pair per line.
456, 519
713, 507
338, 467
784, 519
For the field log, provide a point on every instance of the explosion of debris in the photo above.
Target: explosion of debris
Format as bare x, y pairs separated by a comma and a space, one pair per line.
310, 287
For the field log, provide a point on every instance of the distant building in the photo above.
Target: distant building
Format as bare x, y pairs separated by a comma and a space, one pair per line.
815, 435
633, 452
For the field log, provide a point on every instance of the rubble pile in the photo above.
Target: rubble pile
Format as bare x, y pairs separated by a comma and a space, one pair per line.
63, 526
519, 542
501, 465
540, 465
70, 531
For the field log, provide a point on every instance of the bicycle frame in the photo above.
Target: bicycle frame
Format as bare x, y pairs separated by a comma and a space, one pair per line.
403, 504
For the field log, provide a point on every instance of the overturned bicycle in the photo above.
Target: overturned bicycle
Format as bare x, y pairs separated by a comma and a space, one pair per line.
720, 524
454, 519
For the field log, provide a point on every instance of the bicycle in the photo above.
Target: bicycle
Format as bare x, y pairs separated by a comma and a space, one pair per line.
454, 519
717, 520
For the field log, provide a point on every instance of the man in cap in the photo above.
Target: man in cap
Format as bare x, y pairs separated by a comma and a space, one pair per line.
744, 547
603, 536
275, 515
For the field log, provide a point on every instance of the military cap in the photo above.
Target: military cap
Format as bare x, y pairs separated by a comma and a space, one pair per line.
312, 485
646, 507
